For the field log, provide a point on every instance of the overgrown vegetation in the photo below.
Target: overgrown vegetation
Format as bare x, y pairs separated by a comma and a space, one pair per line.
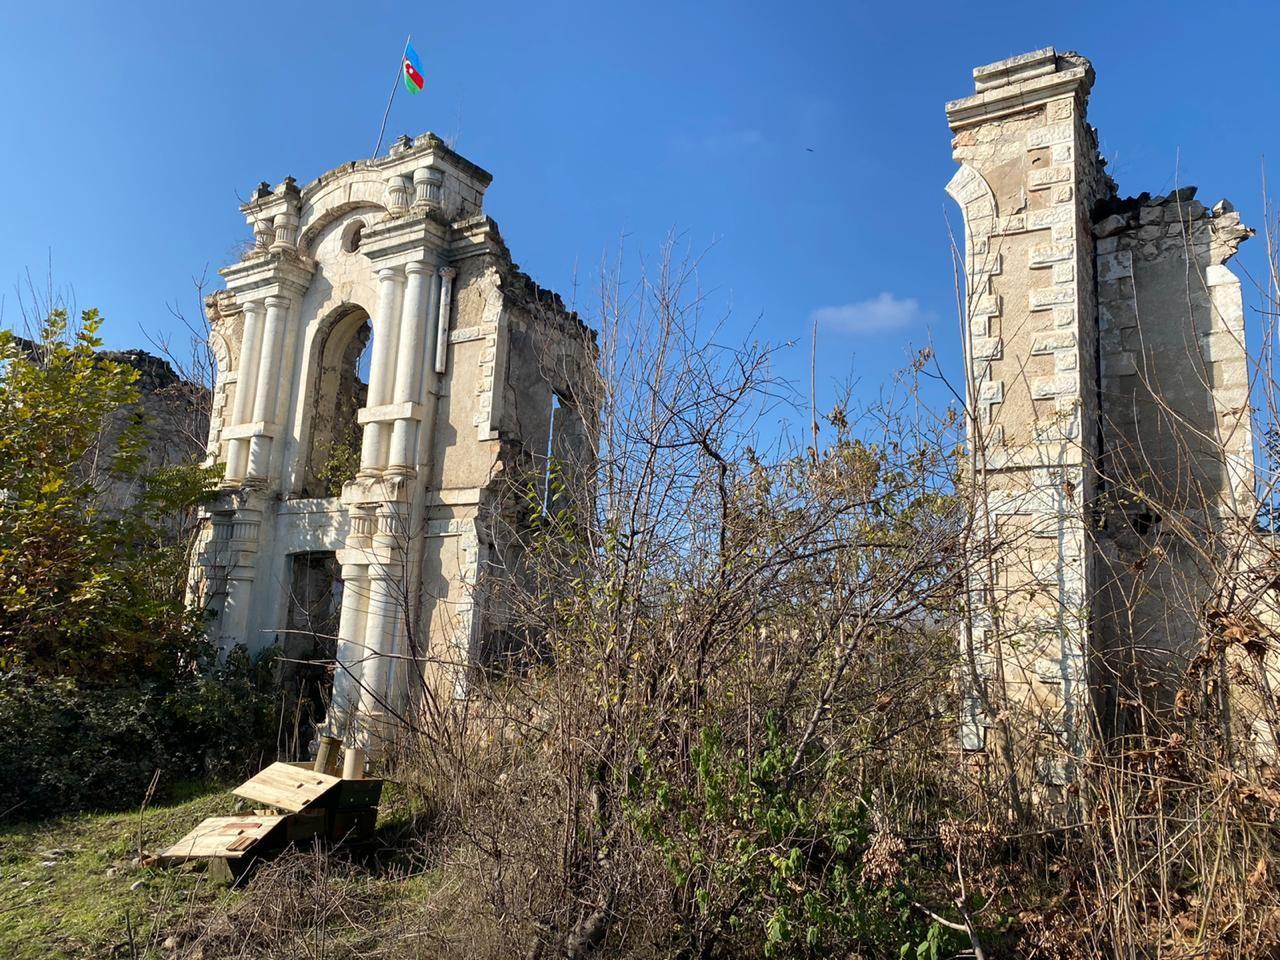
104, 675
733, 727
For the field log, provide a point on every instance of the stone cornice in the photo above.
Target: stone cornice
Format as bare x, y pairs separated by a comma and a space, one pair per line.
475, 236
263, 275
415, 236
1021, 82
427, 150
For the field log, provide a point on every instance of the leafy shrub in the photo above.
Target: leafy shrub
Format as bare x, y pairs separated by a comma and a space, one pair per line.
71, 746
104, 675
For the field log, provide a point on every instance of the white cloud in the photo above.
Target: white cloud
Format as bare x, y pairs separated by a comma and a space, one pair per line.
885, 312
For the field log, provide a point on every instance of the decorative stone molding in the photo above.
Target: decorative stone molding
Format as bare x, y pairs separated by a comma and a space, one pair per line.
264, 234
442, 322
428, 186
399, 192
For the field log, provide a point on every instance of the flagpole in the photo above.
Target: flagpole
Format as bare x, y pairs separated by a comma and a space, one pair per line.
394, 86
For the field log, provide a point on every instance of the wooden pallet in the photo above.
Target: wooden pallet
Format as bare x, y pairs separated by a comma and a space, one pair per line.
287, 787
231, 838
314, 805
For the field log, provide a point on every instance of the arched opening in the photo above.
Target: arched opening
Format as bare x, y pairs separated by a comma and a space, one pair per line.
352, 234
340, 389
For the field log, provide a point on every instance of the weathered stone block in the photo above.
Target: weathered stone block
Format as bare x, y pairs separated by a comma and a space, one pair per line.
1045, 254
1043, 219
1120, 363
1046, 388
987, 348
1052, 341
1047, 176
1112, 266
1047, 297
1110, 225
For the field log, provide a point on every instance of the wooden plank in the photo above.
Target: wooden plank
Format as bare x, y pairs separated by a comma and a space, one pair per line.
229, 837
287, 787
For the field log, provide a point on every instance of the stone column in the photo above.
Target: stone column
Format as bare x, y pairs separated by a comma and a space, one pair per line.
382, 627
408, 380
242, 551
246, 382
351, 654
268, 387
442, 322
373, 449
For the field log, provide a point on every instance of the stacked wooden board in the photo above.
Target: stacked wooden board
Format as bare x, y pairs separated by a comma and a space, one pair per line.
300, 804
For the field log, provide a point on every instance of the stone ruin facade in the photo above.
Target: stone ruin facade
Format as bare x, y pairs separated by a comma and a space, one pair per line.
384, 372
1108, 389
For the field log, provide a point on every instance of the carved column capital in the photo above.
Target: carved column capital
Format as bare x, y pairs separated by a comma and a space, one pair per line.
399, 191
448, 272
286, 229
264, 233
427, 186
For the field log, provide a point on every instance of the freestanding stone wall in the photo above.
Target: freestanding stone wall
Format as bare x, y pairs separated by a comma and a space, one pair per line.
1107, 391
395, 481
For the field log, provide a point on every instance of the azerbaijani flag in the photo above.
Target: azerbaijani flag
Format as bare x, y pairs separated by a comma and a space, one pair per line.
413, 70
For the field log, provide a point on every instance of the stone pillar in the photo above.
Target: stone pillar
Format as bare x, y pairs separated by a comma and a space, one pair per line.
373, 449
269, 386
408, 380
351, 655
246, 383
242, 552
399, 192
442, 322
1029, 176
427, 186
381, 626
264, 234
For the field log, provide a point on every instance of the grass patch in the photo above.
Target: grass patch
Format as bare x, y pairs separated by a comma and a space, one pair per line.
70, 887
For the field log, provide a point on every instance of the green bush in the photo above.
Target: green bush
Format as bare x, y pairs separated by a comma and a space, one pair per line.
105, 677
66, 746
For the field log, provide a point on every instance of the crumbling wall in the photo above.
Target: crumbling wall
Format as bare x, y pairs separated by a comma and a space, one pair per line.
1177, 445
1108, 386
173, 415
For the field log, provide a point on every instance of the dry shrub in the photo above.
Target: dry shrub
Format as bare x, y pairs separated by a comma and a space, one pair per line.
309, 905
732, 727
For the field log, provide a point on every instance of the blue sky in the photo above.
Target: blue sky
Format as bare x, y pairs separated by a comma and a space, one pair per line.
802, 147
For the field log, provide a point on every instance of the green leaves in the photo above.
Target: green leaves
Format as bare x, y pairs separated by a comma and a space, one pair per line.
88, 587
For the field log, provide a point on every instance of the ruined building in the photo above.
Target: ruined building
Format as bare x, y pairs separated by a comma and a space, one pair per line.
1109, 401
383, 369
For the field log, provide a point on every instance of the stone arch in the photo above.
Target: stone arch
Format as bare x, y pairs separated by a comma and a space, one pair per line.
337, 391
362, 193
977, 202
982, 261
